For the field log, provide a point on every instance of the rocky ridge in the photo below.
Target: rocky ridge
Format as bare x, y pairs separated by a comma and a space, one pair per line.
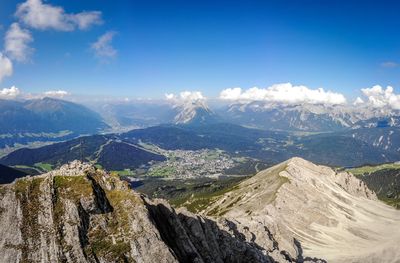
80, 214
332, 215
293, 212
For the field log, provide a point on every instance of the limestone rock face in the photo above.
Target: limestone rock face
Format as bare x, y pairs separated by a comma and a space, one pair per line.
313, 211
81, 214
293, 212
77, 214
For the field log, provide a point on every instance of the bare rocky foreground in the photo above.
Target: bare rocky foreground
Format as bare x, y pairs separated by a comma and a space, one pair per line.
293, 212
332, 215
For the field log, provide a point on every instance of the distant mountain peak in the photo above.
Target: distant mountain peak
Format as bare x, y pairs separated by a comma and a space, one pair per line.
194, 112
48, 115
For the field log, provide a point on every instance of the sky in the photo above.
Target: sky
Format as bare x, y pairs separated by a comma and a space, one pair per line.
150, 48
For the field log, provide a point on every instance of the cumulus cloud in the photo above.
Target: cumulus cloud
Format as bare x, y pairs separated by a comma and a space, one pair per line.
36, 14
9, 93
186, 96
85, 20
56, 93
169, 96
358, 101
17, 42
103, 46
6, 67
283, 93
379, 97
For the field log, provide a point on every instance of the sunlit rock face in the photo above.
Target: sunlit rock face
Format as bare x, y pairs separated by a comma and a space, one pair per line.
80, 214
293, 212
330, 215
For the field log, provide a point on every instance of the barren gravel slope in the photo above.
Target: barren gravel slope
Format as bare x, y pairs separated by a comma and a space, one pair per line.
333, 215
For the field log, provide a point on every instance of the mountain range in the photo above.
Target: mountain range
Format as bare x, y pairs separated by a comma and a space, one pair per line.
330, 135
47, 115
271, 116
50, 115
45, 120
307, 117
127, 150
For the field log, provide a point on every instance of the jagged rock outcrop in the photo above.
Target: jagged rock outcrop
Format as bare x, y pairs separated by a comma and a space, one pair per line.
293, 212
76, 214
81, 214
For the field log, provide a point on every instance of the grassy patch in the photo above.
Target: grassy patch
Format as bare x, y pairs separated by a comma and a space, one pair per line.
45, 167
106, 249
195, 194
165, 171
126, 172
395, 202
198, 201
98, 166
371, 169
384, 180
2, 190
73, 187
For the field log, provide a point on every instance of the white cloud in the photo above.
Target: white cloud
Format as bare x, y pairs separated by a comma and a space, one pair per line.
17, 43
9, 93
85, 20
6, 67
284, 93
379, 97
358, 101
169, 96
56, 93
231, 94
103, 46
36, 14
186, 96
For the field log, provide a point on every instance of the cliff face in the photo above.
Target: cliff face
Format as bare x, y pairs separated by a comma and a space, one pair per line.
80, 214
76, 214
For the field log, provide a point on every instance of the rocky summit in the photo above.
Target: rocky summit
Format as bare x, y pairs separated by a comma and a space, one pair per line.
292, 212
329, 214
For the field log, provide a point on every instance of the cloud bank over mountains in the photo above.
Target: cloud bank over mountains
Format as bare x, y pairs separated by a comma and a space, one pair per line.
379, 97
186, 96
9, 93
187, 99
283, 93
56, 93
15, 93
288, 94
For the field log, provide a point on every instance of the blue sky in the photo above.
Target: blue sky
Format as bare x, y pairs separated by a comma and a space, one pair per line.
169, 46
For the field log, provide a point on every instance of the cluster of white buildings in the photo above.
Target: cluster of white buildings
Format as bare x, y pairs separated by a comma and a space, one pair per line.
191, 164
